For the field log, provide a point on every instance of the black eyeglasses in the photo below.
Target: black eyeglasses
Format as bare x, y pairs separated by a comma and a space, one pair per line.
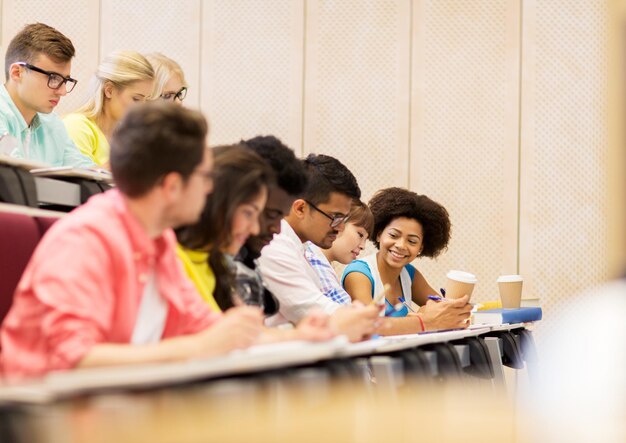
55, 80
335, 220
180, 95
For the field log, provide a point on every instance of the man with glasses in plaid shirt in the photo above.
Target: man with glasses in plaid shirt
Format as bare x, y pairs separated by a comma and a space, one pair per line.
318, 215
37, 69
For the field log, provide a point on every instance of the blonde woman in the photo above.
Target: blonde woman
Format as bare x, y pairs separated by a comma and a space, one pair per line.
123, 78
169, 79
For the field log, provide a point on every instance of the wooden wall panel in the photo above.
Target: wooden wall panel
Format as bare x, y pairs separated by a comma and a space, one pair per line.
357, 88
172, 28
252, 62
464, 132
563, 187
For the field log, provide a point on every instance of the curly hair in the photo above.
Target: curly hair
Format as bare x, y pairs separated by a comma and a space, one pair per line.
392, 203
290, 174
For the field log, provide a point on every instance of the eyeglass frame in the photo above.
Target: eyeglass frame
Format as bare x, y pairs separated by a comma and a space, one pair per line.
180, 95
66, 80
335, 220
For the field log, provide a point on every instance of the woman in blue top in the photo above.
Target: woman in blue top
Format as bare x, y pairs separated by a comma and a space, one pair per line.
406, 226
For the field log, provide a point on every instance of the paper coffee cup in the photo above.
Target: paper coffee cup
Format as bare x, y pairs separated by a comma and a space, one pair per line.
510, 287
460, 283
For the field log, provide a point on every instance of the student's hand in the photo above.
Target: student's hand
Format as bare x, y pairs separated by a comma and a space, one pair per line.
239, 328
357, 322
314, 327
446, 314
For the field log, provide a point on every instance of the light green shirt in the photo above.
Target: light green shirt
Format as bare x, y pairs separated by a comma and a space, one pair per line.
88, 137
45, 140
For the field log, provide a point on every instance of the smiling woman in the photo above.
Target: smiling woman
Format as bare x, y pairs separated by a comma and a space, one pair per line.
122, 79
406, 226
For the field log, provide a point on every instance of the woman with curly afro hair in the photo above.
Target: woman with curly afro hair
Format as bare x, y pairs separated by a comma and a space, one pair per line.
406, 226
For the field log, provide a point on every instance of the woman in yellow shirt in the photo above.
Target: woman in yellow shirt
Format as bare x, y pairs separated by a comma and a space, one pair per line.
231, 215
122, 79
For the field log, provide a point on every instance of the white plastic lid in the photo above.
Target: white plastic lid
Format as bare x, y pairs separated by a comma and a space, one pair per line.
509, 278
462, 276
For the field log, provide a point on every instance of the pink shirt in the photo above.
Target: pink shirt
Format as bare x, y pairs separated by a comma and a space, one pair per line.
83, 286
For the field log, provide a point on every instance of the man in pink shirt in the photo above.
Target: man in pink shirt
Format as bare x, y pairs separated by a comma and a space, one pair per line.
104, 286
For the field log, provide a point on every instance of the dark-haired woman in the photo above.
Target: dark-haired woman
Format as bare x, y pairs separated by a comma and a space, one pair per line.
231, 214
406, 226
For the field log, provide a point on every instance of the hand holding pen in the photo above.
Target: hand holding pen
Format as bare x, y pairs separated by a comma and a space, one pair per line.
474, 306
443, 313
437, 297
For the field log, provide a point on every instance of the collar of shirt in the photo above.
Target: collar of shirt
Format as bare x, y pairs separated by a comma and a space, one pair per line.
285, 228
314, 252
143, 246
19, 118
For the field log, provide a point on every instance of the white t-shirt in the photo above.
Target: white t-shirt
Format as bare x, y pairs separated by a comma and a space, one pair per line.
152, 314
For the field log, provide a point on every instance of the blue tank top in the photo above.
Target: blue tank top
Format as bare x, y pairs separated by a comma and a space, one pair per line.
362, 267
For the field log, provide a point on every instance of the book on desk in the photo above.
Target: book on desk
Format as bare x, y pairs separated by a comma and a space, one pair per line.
502, 316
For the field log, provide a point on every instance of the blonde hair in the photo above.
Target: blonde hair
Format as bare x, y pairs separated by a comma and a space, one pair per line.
121, 68
164, 68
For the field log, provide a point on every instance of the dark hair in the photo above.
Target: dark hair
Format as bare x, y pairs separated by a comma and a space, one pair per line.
361, 215
239, 175
152, 140
327, 174
35, 39
391, 203
289, 171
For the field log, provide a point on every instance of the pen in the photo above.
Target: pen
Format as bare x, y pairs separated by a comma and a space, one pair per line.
404, 302
437, 298
443, 292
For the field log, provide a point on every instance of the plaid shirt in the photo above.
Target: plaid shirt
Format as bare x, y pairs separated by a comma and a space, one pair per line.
327, 275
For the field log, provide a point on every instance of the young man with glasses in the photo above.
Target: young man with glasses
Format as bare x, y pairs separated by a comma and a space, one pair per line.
356, 322
317, 216
37, 69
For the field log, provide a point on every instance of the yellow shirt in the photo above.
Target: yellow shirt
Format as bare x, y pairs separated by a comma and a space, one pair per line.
88, 137
197, 267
